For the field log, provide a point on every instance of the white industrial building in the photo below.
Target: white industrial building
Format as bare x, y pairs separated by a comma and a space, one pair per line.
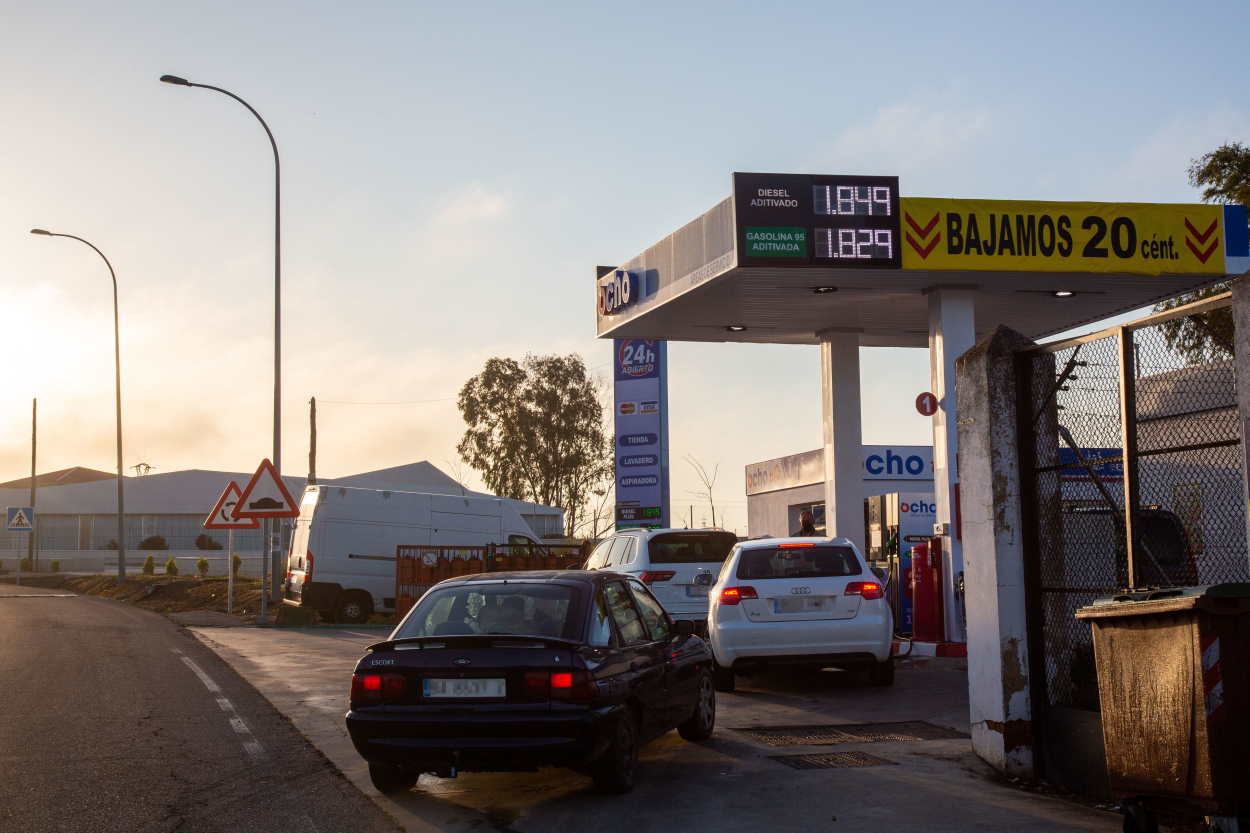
76, 522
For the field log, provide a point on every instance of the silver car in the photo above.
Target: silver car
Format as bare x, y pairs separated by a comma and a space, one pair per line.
677, 565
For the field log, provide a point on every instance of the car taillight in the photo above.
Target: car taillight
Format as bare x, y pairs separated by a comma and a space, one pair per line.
657, 575
378, 688
868, 589
308, 566
733, 595
560, 685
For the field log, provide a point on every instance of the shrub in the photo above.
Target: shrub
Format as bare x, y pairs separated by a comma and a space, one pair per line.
236, 563
25, 565
149, 566
171, 568
201, 567
152, 542
204, 541
56, 566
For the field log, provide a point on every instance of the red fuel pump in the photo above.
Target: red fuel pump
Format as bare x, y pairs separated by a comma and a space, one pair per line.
926, 592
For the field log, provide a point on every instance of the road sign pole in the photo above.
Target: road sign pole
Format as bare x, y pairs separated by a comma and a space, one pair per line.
230, 572
264, 575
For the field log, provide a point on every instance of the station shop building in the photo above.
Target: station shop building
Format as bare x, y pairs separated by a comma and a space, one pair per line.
779, 490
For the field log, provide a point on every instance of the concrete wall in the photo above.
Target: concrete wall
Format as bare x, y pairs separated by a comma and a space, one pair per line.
1000, 707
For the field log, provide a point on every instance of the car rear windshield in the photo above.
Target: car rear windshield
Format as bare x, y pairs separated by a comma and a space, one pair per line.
818, 561
691, 547
519, 609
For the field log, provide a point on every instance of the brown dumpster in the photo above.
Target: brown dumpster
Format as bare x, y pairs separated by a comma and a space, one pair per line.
1174, 683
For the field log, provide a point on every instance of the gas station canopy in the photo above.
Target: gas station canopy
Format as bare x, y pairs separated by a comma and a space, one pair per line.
788, 256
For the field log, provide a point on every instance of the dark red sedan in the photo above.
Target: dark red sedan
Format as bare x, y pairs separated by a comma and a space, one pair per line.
513, 671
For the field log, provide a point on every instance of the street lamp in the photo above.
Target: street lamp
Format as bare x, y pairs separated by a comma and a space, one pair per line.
117, 366
277, 298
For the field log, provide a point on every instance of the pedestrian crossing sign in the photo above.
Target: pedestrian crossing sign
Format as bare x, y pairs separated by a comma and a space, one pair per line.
20, 519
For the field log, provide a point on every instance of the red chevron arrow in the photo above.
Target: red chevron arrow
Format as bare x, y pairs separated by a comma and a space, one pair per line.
921, 232
1202, 256
1202, 236
923, 252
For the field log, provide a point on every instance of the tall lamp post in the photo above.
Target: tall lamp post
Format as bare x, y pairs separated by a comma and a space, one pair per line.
277, 304
117, 382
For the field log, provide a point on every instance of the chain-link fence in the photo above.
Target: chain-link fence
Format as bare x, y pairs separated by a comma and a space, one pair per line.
1143, 415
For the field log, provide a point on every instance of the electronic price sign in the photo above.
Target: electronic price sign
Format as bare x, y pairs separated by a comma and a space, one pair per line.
817, 220
639, 515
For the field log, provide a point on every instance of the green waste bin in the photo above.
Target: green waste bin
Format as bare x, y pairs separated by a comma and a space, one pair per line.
1174, 683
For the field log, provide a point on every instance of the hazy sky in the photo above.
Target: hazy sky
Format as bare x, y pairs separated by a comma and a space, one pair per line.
453, 172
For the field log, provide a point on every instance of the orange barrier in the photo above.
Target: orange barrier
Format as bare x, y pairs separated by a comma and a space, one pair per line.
417, 568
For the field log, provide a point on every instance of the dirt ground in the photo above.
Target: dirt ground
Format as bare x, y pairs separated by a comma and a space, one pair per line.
178, 594
160, 593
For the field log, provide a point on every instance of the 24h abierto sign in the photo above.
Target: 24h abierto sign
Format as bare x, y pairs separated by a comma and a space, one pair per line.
640, 405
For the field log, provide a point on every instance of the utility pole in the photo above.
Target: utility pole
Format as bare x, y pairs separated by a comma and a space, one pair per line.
312, 441
30, 536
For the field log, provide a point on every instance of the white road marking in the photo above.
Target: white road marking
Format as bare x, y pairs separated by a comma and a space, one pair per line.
250, 744
39, 596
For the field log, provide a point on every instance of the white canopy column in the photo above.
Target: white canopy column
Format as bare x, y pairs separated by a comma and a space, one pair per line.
843, 434
952, 331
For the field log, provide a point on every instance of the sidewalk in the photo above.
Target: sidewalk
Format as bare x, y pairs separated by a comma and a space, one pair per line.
731, 784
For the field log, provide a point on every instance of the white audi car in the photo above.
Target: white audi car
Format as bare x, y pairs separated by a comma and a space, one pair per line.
799, 601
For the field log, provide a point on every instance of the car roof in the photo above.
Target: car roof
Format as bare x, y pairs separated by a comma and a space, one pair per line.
579, 576
650, 533
759, 543
555, 576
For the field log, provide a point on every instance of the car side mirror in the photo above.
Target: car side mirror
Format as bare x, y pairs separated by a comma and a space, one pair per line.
683, 627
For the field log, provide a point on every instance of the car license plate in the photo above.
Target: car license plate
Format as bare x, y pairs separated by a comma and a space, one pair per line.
468, 687
696, 591
798, 605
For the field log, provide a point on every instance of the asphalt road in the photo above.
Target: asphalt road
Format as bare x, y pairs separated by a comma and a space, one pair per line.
114, 719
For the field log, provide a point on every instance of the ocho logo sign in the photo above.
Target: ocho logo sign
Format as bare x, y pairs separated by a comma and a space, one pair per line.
618, 292
636, 359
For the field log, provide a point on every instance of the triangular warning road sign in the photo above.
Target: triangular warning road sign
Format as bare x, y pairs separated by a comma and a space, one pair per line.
222, 516
265, 496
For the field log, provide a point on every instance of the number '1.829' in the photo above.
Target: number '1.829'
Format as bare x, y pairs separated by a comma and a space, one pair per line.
854, 243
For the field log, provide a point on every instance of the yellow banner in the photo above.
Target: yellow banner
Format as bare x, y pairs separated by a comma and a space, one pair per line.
1009, 235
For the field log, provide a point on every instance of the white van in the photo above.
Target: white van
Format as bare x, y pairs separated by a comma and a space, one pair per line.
342, 558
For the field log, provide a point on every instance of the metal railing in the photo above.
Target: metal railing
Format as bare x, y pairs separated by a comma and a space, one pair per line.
419, 567
1132, 474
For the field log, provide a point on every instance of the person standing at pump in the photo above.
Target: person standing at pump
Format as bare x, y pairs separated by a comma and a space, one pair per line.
807, 525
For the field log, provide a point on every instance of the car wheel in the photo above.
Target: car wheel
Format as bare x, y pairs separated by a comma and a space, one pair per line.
388, 778
723, 678
700, 724
353, 608
882, 673
614, 772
